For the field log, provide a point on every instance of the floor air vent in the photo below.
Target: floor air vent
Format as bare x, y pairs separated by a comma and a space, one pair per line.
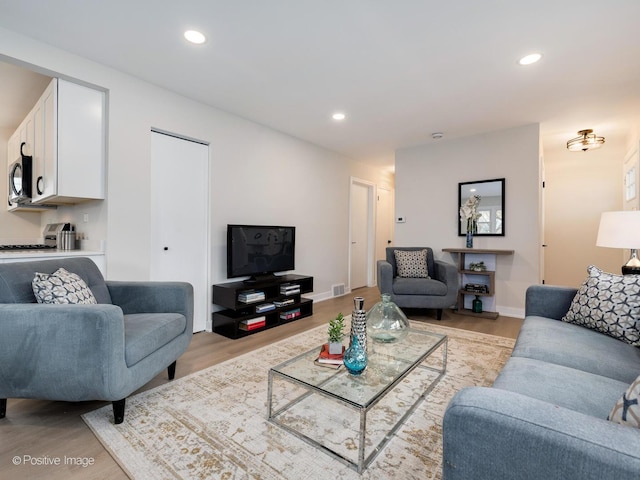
338, 290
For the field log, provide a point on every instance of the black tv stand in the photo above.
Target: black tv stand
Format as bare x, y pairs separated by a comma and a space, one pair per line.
282, 291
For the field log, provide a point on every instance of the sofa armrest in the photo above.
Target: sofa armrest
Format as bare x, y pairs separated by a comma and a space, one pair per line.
385, 277
60, 352
447, 273
548, 301
153, 297
495, 434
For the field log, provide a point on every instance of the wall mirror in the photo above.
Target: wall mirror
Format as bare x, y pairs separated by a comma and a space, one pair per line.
490, 208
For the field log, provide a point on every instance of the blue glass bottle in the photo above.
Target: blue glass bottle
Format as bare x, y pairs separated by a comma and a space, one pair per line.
355, 357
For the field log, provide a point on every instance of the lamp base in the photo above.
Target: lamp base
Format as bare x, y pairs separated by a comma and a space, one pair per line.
629, 270
632, 267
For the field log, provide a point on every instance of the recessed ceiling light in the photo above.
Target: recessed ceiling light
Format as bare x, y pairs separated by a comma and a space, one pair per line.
338, 116
194, 36
529, 59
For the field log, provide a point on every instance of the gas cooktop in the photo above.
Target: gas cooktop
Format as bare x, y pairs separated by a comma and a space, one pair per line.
32, 246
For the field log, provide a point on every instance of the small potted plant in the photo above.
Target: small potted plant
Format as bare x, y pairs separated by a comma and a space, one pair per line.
336, 334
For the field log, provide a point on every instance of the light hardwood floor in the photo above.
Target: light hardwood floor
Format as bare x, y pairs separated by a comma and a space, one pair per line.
47, 431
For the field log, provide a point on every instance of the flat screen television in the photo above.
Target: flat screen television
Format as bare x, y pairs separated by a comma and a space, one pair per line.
259, 251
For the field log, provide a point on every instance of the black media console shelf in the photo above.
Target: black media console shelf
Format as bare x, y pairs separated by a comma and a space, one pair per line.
254, 307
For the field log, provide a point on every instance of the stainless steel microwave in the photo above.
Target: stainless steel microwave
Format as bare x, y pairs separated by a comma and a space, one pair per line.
20, 179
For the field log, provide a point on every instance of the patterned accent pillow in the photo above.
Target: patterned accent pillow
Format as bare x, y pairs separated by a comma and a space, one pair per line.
609, 304
411, 263
626, 411
61, 287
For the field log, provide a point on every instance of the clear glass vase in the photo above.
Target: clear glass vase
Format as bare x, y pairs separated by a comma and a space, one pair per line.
386, 323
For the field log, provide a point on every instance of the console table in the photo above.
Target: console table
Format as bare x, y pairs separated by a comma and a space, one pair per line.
484, 278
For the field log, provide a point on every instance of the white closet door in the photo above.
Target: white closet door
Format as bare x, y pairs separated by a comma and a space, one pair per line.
179, 217
359, 235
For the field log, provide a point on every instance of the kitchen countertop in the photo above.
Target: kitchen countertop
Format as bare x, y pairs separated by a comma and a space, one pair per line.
48, 253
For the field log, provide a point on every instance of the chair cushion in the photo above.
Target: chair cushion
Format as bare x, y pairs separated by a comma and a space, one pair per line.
609, 304
61, 287
626, 411
418, 286
411, 263
16, 278
144, 333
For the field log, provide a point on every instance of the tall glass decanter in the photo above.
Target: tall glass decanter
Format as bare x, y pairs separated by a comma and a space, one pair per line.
386, 323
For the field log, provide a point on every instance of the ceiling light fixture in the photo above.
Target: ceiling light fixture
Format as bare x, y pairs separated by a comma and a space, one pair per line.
194, 36
529, 59
586, 141
338, 116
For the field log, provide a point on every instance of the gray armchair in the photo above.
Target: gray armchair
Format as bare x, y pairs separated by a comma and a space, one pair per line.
438, 292
104, 351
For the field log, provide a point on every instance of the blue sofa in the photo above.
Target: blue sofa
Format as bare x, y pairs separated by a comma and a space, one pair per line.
103, 351
546, 415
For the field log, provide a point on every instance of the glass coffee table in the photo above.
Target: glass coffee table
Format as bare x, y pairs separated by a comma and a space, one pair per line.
353, 417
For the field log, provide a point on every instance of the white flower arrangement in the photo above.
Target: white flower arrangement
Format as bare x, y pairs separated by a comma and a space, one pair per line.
469, 212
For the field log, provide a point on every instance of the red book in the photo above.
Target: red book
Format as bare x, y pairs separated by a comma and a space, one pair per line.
332, 358
252, 326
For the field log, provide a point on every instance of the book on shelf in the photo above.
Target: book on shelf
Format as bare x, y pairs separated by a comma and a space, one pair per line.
289, 289
253, 326
284, 303
324, 357
265, 307
251, 296
290, 314
252, 323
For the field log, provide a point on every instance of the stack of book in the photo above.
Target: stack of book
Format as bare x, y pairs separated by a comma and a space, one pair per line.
289, 289
252, 323
265, 307
289, 314
284, 303
251, 296
326, 359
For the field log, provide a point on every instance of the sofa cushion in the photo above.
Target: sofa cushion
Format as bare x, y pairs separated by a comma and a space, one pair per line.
411, 263
61, 287
609, 304
559, 385
144, 333
16, 278
418, 286
577, 347
626, 411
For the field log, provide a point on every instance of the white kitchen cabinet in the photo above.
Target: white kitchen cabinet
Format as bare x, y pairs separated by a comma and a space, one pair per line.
69, 154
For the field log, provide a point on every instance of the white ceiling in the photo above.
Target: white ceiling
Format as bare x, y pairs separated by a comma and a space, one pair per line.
400, 70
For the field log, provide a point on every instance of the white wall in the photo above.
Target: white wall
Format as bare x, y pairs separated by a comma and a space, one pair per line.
579, 187
258, 175
427, 180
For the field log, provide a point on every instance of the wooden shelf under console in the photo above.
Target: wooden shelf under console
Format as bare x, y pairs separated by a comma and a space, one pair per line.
483, 277
228, 322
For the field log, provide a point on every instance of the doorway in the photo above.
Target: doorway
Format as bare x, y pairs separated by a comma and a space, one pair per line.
361, 234
179, 217
384, 223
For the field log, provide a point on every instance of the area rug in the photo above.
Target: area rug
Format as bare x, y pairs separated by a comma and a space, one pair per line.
213, 423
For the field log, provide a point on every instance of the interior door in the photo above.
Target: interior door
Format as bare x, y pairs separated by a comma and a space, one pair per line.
179, 217
384, 222
359, 235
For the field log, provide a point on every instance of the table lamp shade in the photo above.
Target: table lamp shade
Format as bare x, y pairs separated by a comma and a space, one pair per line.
621, 230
